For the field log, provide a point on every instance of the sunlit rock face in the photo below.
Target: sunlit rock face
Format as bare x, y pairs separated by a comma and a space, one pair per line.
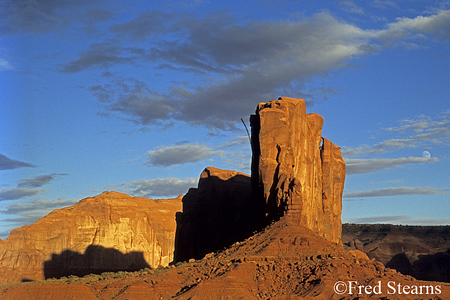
294, 170
112, 231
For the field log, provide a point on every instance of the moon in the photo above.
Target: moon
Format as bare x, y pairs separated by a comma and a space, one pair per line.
426, 154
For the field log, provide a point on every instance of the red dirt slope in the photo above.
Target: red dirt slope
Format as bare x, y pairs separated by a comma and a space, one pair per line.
281, 262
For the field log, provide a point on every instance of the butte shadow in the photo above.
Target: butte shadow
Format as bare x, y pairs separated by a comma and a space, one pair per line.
95, 260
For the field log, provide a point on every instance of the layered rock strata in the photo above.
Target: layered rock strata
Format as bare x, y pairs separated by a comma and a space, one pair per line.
109, 232
292, 173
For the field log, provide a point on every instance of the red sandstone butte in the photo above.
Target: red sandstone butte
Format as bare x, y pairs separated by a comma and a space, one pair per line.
109, 232
294, 169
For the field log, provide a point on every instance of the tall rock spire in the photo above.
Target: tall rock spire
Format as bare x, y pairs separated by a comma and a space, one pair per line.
292, 173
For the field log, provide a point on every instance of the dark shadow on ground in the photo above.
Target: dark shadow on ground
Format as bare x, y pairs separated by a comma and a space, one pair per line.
95, 260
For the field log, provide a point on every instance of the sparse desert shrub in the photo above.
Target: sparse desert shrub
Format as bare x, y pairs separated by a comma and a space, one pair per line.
108, 275
146, 270
180, 263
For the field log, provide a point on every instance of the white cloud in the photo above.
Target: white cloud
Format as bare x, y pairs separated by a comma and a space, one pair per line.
180, 154
396, 191
351, 7
382, 147
419, 131
238, 140
425, 128
398, 220
5, 65
37, 205
438, 24
160, 187
29, 212
363, 166
404, 29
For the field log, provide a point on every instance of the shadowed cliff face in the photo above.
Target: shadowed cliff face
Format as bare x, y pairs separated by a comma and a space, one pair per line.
215, 215
95, 260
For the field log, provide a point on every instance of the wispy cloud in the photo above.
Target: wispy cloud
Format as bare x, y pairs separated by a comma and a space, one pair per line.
158, 188
180, 154
379, 148
134, 98
351, 7
398, 220
411, 133
7, 163
268, 58
28, 187
5, 65
34, 205
396, 191
363, 166
425, 128
29, 212
39, 181
40, 16
435, 25
102, 54
18, 192
146, 25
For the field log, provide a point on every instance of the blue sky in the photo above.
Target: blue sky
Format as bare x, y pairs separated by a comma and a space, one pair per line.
141, 96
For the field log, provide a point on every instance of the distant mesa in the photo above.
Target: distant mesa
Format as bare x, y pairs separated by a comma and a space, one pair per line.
134, 229
419, 251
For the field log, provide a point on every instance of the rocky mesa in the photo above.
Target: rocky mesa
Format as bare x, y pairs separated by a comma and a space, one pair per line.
419, 251
109, 232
